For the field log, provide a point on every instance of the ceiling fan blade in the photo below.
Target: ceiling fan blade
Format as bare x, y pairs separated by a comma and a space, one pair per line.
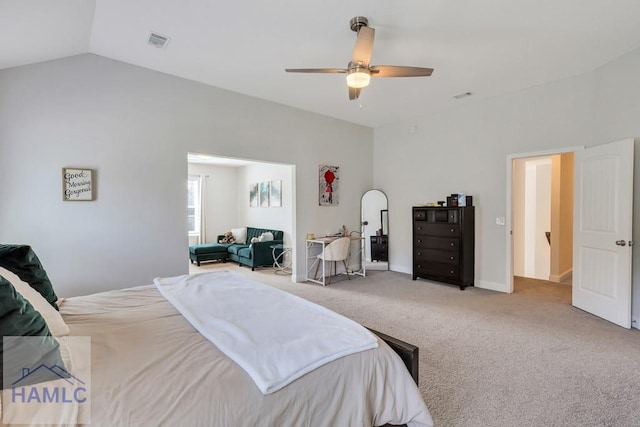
364, 46
354, 93
399, 71
315, 70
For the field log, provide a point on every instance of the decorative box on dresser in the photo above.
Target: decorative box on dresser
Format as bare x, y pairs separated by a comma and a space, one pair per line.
379, 248
443, 244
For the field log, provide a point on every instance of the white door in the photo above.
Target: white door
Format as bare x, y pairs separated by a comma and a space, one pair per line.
603, 195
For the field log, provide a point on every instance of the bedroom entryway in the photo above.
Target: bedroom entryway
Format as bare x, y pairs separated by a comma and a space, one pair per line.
542, 221
221, 198
602, 231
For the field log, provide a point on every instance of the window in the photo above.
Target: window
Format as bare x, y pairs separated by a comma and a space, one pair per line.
193, 205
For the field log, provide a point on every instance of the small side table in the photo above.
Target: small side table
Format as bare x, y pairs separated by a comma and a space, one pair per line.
282, 261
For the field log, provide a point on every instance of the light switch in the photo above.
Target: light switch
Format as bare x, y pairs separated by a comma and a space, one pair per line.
499, 220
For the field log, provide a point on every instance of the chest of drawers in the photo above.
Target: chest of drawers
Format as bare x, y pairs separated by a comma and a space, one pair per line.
379, 248
443, 244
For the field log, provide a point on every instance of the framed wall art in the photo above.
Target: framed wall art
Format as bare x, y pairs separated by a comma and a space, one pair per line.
253, 195
275, 194
329, 185
77, 184
264, 194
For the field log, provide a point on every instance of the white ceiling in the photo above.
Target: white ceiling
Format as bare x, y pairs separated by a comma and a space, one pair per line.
487, 47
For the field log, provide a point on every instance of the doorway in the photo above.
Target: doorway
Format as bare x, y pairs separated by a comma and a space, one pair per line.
542, 207
226, 200
540, 216
602, 235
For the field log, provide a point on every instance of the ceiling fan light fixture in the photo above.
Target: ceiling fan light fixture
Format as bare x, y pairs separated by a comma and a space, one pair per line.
358, 77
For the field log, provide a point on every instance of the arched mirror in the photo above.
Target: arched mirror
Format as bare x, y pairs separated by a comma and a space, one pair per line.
375, 229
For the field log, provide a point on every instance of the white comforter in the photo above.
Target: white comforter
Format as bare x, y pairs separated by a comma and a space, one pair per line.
149, 366
274, 336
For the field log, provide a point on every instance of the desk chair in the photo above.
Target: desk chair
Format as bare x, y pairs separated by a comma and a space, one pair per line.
338, 250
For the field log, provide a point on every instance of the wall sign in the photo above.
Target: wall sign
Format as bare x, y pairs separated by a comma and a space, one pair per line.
77, 184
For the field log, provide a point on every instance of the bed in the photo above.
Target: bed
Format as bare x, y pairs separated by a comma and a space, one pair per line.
150, 366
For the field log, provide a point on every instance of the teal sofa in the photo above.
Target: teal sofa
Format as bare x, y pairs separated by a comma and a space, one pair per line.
259, 254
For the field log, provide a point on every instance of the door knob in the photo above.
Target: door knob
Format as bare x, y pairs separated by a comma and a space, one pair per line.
621, 243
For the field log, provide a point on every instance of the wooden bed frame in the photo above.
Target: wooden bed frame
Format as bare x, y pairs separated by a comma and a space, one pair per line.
407, 352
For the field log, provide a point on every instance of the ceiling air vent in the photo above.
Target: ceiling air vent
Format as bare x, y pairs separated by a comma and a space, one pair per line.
158, 40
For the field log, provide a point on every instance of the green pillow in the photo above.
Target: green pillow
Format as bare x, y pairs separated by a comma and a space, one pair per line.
20, 357
22, 261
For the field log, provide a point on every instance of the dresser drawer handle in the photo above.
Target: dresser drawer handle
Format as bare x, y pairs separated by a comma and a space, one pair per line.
452, 258
419, 266
419, 241
419, 253
453, 229
453, 244
419, 228
452, 271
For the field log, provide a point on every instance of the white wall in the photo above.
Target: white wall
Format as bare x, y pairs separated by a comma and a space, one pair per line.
135, 127
221, 197
537, 218
540, 214
276, 218
465, 149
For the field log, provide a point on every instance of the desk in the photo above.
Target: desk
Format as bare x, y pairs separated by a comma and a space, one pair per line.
281, 261
316, 246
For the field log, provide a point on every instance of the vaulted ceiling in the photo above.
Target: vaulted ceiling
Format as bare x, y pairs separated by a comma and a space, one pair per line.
488, 47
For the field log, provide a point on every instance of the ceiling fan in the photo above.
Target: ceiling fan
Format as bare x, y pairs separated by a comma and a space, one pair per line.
359, 71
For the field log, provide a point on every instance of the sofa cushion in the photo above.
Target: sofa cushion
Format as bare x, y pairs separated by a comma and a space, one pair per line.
245, 252
233, 249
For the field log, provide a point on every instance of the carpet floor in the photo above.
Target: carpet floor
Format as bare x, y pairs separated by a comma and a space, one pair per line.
493, 359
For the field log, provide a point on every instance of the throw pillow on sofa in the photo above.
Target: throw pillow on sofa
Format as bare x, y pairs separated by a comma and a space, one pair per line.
240, 234
266, 237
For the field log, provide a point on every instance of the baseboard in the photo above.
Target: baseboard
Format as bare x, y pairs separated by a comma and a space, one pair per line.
492, 286
562, 277
400, 268
482, 284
